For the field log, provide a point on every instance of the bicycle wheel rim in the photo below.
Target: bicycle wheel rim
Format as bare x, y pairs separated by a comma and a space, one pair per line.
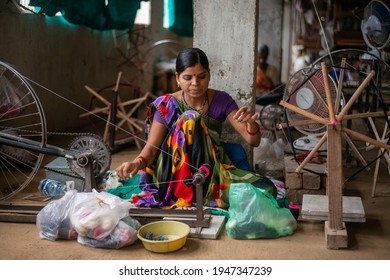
21, 116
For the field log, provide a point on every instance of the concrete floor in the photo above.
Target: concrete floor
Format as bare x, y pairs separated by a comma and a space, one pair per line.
367, 241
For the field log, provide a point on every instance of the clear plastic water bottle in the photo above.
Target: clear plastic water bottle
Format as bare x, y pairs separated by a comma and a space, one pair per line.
51, 187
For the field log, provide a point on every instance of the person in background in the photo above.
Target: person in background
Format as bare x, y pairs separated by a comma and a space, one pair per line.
183, 132
267, 79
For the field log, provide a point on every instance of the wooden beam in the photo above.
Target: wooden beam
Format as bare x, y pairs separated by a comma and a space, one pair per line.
304, 113
355, 96
377, 114
335, 231
312, 152
327, 92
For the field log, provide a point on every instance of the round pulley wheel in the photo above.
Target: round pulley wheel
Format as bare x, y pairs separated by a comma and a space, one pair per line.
271, 116
99, 150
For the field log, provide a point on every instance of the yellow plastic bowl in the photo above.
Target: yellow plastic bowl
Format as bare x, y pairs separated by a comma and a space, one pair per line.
176, 232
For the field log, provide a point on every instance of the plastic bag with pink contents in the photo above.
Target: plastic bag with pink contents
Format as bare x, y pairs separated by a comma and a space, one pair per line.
95, 215
124, 234
53, 221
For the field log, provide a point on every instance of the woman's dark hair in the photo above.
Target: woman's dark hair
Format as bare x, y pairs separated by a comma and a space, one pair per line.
190, 57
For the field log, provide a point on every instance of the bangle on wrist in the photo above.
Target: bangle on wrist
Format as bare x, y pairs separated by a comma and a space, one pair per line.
144, 163
252, 133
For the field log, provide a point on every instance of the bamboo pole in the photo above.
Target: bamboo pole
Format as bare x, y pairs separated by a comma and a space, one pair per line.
304, 113
312, 152
355, 96
346, 117
327, 92
340, 84
366, 138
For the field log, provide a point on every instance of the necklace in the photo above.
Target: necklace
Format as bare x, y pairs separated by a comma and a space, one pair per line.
201, 108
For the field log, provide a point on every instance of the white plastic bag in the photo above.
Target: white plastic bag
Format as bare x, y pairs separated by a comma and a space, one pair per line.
124, 234
53, 221
96, 215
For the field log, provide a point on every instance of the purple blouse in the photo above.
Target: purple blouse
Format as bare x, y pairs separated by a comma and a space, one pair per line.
220, 107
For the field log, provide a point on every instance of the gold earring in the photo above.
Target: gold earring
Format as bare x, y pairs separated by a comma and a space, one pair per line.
178, 85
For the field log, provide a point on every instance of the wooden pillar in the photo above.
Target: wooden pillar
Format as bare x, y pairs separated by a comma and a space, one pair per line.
335, 230
227, 31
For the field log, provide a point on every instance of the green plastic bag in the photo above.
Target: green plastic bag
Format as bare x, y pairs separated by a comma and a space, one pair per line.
255, 214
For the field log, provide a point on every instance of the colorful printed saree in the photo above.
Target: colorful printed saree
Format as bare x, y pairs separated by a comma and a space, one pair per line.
192, 140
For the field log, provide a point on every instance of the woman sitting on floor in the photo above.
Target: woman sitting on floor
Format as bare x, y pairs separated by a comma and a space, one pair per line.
183, 132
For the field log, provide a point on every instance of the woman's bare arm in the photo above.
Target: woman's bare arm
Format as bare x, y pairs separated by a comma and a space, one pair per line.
147, 155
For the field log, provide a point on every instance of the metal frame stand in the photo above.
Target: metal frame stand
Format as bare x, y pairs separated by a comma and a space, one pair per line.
198, 218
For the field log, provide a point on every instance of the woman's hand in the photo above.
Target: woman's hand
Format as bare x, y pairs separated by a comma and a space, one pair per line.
128, 169
244, 120
246, 115
147, 155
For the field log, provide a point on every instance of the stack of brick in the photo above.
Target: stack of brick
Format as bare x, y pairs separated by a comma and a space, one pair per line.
304, 182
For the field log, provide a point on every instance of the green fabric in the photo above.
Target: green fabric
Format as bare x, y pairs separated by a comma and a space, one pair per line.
130, 187
118, 14
219, 212
181, 17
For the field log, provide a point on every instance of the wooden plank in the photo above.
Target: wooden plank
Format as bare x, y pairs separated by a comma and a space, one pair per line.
23, 212
190, 217
17, 218
162, 212
335, 177
20, 206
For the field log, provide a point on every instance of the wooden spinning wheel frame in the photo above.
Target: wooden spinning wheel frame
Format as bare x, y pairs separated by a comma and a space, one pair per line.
335, 131
119, 113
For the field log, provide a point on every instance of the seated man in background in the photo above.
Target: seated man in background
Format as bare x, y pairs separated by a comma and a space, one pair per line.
267, 79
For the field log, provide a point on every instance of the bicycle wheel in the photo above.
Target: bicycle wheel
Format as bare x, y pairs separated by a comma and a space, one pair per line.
22, 119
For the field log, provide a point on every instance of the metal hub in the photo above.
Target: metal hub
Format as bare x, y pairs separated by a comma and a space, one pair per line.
99, 151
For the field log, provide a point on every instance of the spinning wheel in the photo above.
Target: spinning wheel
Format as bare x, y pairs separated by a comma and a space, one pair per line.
335, 228
21, 115
23, 139
117, 101
143, 61
306, 90
271, 116
349, 68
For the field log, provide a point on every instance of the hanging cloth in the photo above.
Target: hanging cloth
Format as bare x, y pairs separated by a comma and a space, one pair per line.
181, 17
117, 14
